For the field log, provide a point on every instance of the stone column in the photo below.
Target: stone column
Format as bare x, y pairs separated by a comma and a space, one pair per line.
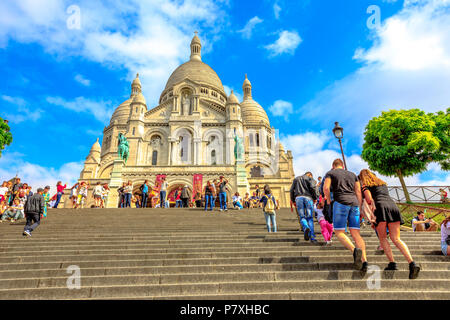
169, 157
197, 150
242, 184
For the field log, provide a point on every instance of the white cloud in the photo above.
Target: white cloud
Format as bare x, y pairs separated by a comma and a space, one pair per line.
281, 108
287, 42
415, 39
12, 163
248, 29
130, 34
406, 67
81, 79
276, 11
101, 110
22, 112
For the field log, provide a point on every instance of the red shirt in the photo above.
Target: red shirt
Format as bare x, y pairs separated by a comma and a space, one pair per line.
61, 188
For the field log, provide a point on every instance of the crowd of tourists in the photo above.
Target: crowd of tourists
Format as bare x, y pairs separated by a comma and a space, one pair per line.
341, 202
17, 201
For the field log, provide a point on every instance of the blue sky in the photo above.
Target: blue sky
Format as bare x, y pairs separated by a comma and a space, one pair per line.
310, 63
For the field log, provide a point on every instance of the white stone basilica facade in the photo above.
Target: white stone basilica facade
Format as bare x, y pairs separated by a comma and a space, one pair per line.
190, 132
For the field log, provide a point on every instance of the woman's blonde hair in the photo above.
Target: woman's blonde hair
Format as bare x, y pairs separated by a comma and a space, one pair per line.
369, 179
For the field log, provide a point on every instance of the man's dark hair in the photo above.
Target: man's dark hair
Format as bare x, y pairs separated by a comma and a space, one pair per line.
338, 163
309, 174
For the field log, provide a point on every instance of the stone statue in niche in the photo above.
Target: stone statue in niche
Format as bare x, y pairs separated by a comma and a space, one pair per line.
186, 109
156, 142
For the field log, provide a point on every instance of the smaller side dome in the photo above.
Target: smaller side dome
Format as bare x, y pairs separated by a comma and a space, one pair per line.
94, 154
232, 99
247, 87
139, 98
136, 81
136, 86
96, 147
246, 82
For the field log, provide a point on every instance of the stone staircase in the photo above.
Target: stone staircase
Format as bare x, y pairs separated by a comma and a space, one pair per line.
190, 254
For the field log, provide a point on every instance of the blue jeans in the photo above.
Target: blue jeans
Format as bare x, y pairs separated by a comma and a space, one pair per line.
305, 209
208, 198
144, 200
271, 219
33, 221
162, 198
58, 199
343, 214
237, 204
178, 204
127, 200
223, 200
214, 202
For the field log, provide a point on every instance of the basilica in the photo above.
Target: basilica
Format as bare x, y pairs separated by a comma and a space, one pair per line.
191, 134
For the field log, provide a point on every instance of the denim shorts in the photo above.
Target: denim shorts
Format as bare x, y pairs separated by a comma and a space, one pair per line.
343, 214
444, 247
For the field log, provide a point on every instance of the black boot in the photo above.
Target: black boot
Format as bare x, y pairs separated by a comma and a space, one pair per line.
391, 266
364, 267
357, 255
413, 270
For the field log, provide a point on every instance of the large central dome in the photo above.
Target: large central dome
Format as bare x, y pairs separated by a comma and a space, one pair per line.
196, 70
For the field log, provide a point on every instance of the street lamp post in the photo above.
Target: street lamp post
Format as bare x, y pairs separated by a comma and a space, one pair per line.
338, 132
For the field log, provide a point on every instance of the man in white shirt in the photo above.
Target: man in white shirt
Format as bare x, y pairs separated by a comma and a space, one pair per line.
419, 223
163, 192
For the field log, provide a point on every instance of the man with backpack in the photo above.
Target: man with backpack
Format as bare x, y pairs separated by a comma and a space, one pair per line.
304, 194
34, 208
269, 205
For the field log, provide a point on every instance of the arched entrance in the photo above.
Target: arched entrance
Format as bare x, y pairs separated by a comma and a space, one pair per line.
171, 192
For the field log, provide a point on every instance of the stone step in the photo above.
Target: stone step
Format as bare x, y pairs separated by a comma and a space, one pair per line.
311, 295
84, 262
194, 247
142, 254
156, 290
229, 268
123, 280
40, 243
18, 252
172, 254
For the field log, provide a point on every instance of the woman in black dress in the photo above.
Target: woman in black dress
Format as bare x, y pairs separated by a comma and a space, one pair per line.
387, 215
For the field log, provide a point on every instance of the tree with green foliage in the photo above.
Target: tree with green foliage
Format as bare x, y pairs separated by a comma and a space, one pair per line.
442, 132
5, 135
403, 142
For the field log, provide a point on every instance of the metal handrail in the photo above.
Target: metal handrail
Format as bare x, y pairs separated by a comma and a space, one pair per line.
418, 194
